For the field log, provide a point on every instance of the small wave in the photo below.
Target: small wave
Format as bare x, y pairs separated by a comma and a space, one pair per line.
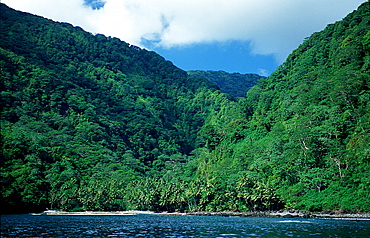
295, 221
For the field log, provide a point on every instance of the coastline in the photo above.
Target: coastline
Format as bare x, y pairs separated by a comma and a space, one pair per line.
277, 214
289, 214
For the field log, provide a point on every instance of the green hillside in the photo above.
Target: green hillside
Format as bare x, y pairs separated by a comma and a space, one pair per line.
235, 84
90, 122
304, 142
83, 116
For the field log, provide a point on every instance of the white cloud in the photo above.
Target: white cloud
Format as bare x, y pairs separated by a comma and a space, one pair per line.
263, 72
272, 26
72, 11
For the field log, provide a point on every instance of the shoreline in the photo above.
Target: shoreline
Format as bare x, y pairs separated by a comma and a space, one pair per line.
276, 214
289, 214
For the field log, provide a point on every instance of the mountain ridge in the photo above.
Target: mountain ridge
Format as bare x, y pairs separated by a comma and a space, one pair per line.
93, 123
82, 105
235, 84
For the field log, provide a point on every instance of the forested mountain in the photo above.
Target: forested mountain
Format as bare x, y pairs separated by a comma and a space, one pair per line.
90, 122
304, 142
83, 115
235, 84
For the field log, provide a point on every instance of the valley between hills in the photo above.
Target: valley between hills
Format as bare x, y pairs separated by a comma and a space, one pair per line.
92, 123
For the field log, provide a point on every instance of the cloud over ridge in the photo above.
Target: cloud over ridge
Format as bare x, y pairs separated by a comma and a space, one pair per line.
271, 26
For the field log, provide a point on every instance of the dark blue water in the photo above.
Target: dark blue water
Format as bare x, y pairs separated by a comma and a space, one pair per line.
177, 226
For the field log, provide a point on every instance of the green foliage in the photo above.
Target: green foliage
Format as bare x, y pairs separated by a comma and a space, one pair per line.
83, 115
235, 84
89, 122
305, 141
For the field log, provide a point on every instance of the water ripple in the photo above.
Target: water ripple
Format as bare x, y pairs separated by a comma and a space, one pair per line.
177, 226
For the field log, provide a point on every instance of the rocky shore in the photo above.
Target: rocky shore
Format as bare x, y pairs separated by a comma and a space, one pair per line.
281, 214
288, 214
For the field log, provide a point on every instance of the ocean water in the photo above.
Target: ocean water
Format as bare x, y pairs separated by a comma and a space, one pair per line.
177, 226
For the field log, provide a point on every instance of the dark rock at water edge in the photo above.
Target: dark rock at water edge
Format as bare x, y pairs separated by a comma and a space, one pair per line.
286, 214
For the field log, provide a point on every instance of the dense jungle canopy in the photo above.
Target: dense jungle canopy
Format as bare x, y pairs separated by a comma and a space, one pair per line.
89, 122
235, 84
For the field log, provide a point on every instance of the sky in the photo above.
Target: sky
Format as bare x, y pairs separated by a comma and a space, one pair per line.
244, 36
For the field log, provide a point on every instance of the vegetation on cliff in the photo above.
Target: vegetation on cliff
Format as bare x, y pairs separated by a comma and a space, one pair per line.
90, 122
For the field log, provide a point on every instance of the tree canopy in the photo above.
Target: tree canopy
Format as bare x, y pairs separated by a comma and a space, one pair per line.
235, 84
90, 122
